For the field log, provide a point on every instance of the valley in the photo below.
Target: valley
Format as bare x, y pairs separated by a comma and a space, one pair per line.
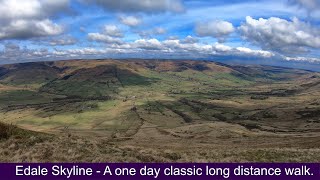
158, 111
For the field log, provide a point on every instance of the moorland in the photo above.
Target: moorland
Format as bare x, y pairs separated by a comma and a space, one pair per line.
158, 111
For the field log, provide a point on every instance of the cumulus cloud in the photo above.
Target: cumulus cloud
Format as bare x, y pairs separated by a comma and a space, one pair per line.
190, 40
24, 29
31, 9
281, 35
13, 52
146, 6
30, 18
62, 41
98, 37
141, 48
176, 47
112, 30
149, 44
78, 52
222, 48
110, 34
130, 20
218, 29
254, 52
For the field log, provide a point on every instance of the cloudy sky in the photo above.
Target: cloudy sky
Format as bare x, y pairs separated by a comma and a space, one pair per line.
244, 30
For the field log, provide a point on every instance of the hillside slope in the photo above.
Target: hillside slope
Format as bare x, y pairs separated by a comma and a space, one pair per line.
146, 106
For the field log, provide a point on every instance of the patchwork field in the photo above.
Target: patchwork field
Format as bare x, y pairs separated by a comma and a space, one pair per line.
158, 111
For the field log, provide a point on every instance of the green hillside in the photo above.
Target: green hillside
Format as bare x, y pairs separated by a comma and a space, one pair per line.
158, 104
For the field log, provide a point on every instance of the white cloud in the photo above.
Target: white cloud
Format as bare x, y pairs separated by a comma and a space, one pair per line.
150, 44
281, 35
146, 6
13, 52
79, 52
254, 52
11, 9
222, 47
104, 38
176, 46
110, 34
31, 9
112, 30
217, 28
130, 20
307, 59
142, 48
22, 29
30, 18
190, 40
62, 41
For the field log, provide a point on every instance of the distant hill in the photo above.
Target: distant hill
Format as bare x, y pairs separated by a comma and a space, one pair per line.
99, 72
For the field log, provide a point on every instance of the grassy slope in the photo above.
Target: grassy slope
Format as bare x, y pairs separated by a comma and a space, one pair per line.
148, 103
19, 145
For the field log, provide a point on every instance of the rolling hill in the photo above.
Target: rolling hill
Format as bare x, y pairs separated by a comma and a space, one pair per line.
158, 110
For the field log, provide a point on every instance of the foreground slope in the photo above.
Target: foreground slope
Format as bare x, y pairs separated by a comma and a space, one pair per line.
195, 110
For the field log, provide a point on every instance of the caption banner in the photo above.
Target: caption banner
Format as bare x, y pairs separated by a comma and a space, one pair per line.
160, 171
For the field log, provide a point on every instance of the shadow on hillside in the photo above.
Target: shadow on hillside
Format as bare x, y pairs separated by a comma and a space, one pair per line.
95, 82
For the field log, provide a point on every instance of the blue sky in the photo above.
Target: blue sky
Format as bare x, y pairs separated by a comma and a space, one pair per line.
249, 30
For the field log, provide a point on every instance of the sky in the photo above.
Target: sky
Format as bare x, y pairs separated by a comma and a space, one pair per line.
247, 31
